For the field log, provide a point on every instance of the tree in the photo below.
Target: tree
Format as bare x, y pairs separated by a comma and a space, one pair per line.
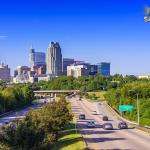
39, 130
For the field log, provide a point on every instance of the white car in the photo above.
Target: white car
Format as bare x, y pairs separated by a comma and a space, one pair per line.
91, 124
147, 19
94, 113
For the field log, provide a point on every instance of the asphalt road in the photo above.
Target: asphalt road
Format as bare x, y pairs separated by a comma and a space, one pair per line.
19, 114
100, 139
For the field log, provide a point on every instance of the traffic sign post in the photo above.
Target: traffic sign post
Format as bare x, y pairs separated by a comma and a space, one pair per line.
126, 108
75, 123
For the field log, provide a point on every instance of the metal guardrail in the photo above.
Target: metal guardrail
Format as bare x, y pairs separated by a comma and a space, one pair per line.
120, 117
147, 127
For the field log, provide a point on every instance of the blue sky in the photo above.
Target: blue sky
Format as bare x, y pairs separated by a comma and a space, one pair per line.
90, 30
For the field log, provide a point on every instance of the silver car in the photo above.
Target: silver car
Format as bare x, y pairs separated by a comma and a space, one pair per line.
107, 126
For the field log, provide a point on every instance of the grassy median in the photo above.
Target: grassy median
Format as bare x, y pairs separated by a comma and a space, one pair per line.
70, 140
96, 96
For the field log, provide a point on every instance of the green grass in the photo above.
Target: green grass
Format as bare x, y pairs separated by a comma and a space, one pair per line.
99, 95
37, 101
70, 140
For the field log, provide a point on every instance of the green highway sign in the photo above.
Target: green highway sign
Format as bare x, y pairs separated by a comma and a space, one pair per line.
126, 108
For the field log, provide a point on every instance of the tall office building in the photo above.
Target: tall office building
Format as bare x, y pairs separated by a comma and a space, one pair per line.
54, 59
67, 62
104, 68
4, 72
36, 58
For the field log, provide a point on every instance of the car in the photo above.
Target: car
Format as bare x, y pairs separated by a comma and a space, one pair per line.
82, 116
94, 112
122, 125
80, 99
147, 19
105, 118
107, 126
6, 122
91, 124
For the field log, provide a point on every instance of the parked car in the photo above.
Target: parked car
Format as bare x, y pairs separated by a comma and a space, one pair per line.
122, 125
82, 116
107, 126
105, 118
91, 124
94, 112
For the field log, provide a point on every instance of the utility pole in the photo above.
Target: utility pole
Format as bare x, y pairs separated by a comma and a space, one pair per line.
137, 105
138, 109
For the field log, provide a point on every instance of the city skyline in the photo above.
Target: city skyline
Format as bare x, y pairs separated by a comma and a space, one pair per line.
86, 31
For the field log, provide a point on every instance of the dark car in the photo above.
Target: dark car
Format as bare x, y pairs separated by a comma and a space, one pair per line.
91, 124
6, 122
105, 118
122, 125
107, 126
80, 99
82, 116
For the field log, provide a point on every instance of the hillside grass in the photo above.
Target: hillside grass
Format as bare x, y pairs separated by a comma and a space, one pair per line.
99, 95
70, 140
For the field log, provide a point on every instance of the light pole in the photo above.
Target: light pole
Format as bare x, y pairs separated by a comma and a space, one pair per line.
138, 109
137, 105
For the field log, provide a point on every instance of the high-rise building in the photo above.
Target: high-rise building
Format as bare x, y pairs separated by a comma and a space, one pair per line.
54, 59
93, 70
40, 69
103, 68
4, 72
36, 58
21, 70
67, 62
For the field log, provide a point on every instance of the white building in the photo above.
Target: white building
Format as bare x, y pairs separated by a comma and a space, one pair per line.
144, 77
77, 70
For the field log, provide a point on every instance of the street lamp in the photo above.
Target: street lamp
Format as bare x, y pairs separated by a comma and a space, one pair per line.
138, 108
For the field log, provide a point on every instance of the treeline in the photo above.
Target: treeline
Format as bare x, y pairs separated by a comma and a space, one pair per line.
14, 96
86, 83
127, 95
39, 130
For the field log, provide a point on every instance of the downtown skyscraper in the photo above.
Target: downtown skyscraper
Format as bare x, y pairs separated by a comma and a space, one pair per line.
36, 58
54, 59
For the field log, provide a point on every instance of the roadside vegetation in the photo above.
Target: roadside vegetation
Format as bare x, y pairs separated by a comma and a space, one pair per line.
40, 129
70, 139
14, 96
85, 83
127, 95
115, 89
96, 96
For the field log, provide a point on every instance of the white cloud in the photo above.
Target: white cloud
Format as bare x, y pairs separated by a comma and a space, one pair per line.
2, 37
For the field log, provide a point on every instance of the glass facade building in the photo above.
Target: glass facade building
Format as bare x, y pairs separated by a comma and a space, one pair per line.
36, 58
103, 68
67, 62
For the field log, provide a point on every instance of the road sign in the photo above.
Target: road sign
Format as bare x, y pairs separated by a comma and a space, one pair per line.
126, 108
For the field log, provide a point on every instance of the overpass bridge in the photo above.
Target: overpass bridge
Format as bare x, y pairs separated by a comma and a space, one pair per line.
53, 93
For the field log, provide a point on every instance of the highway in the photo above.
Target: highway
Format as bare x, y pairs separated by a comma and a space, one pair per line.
19, 114
99, 139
